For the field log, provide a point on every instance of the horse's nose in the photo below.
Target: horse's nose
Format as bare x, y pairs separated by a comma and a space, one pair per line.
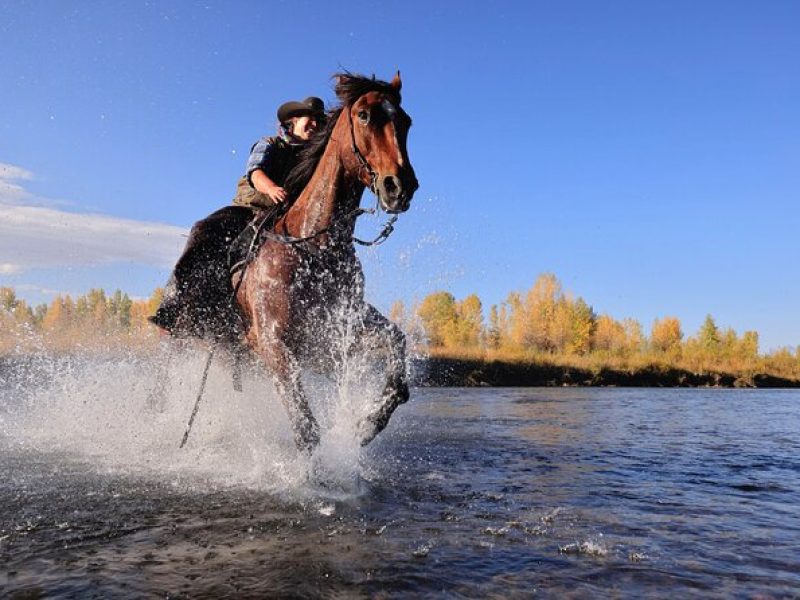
394, 194
392, 186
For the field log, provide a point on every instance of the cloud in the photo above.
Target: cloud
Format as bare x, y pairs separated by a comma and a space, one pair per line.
9, 269
10, 192
12, 172
40, 237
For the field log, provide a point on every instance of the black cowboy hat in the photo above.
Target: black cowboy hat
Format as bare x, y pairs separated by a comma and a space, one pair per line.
310, 106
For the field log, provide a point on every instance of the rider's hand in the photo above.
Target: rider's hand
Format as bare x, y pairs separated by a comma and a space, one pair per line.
277, 193
265, 185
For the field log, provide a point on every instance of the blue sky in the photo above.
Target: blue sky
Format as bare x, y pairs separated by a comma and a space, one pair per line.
647, 153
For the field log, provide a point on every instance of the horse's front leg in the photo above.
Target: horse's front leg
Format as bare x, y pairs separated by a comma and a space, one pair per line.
267, 336
381, 335
286, 375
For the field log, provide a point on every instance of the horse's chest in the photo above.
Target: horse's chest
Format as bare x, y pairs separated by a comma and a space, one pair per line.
322, 290
325, 279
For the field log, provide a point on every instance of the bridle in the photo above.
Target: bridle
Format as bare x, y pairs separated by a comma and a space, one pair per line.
373, 176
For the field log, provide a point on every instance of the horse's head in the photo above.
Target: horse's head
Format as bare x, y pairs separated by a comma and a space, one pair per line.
379, 129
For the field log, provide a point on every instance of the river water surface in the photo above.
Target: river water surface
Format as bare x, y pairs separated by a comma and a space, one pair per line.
480, 493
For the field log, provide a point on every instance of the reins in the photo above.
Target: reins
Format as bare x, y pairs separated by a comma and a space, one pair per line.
387, 230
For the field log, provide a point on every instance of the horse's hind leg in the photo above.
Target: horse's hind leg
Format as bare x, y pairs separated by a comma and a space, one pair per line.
381, 335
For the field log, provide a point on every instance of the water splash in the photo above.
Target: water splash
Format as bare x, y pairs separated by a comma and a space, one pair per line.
118, 415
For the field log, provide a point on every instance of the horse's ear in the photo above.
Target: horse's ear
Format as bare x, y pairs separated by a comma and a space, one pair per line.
396, 82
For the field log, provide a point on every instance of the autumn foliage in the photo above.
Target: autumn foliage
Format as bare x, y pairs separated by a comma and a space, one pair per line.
543, 324
546, 323
94, 321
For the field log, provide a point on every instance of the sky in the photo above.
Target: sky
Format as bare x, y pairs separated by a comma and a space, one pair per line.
647, 153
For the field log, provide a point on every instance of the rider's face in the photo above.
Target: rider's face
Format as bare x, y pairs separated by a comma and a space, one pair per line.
303, 127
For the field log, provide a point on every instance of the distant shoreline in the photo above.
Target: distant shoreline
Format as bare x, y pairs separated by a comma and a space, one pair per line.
458, 372
439, 371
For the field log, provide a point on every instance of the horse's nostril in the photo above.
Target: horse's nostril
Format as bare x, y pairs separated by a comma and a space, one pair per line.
389, 185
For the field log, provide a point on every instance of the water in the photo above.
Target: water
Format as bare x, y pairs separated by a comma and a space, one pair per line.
480, 493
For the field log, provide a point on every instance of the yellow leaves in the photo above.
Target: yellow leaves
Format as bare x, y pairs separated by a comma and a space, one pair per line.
666, 334
545, 320
438, 315
449, 323
93, 320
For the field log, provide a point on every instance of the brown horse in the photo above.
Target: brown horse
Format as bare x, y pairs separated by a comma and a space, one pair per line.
306, 280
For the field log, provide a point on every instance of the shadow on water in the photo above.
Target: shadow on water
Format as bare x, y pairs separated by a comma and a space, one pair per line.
476, 493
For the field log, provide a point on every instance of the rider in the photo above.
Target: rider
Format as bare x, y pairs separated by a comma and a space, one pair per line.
196, 296
271, 158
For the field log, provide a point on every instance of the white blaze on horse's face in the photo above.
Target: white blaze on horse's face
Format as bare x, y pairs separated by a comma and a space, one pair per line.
380, 128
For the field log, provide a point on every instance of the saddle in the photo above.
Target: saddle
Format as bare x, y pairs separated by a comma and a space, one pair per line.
198, 299
244, 247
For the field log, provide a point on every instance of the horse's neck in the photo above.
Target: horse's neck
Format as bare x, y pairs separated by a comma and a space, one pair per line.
330, 194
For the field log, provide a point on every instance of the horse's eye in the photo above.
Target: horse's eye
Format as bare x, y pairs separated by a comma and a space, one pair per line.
363, 116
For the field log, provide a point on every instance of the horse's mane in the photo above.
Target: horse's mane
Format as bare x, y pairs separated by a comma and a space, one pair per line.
349, 88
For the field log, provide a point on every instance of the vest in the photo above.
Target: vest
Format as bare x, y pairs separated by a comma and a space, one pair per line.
281, 162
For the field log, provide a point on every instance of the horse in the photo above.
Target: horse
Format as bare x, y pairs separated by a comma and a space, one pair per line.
306, 279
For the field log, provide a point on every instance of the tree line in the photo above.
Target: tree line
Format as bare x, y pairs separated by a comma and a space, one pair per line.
548, 323
544, 323
95, 320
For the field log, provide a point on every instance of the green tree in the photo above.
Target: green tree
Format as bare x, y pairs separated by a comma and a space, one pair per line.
709, 336
8, 299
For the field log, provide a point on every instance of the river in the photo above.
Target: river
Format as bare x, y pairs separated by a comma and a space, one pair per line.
477, 493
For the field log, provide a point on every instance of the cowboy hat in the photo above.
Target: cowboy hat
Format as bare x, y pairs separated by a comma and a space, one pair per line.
310, 106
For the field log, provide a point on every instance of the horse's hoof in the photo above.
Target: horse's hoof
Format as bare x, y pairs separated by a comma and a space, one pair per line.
370, 427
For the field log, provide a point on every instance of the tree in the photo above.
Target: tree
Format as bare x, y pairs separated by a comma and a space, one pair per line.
120, 307
514, 329
155, 300
609, 335
540, 307
709, 336
748, 346
437, 313
494, 333
54, 318
469, 322
8, 299
582, 324
634, 335
666, 334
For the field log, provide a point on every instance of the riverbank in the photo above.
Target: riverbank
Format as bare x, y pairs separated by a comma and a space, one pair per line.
441, 371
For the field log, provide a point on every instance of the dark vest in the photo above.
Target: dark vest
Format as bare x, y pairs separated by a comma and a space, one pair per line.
282, 161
